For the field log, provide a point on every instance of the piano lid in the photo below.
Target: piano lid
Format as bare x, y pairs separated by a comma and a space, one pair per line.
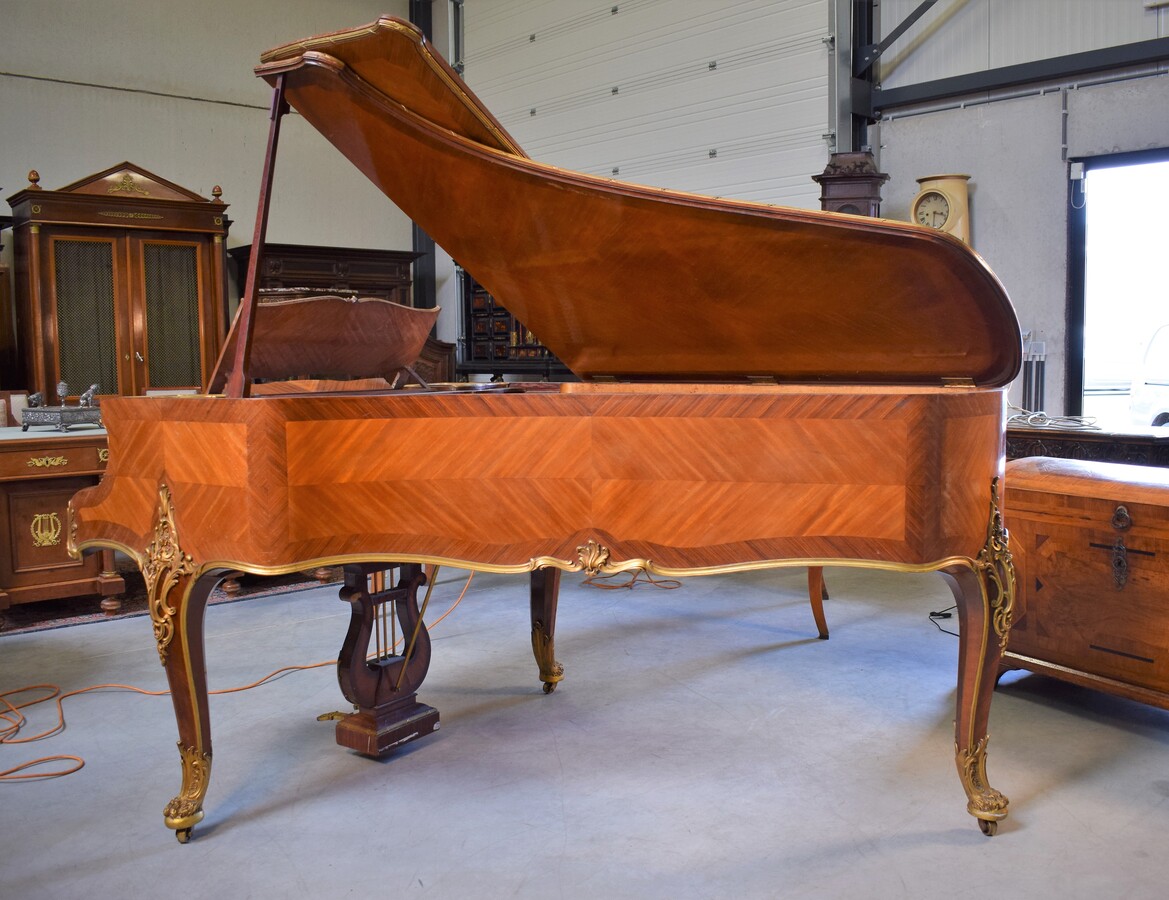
637, 283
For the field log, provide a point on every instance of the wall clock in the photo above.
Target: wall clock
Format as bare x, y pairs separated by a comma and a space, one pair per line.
943, 202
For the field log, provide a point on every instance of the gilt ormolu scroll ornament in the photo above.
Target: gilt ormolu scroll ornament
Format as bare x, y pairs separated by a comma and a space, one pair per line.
997, 568
127, 185
593, 557
162, 566
983, 802
185, 811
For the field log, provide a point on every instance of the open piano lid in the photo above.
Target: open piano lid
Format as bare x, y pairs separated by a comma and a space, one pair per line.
637, 283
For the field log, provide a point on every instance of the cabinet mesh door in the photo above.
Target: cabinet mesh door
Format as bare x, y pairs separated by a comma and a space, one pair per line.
86, 343
172, 315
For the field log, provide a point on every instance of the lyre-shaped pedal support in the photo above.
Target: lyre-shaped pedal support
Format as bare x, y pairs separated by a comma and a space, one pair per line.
380, 681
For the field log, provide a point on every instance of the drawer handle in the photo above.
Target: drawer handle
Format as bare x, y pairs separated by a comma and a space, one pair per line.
1120, 563
1121, 520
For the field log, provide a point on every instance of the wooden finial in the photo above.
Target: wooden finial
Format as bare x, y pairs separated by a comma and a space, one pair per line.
217, 192
33, 177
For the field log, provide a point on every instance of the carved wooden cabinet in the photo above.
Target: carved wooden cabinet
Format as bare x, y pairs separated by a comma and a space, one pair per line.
1143, 446
496, 343
1091, 546
40, 471
120, 281
368, 273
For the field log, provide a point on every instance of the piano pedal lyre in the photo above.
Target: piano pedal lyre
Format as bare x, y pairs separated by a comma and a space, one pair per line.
378, 680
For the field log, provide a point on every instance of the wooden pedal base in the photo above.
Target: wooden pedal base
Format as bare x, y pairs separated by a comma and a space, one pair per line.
367, 735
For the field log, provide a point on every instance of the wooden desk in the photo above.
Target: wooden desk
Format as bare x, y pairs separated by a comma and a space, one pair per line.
40, 471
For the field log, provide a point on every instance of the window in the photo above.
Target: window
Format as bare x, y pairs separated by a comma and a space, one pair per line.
1119, 300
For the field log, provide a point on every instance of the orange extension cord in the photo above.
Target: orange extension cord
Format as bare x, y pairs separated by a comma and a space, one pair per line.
11, 715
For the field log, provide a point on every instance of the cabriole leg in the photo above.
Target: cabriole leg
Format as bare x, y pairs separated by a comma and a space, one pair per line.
985, 596
545, 590
177, 596
817, 594
979, 652
186, 673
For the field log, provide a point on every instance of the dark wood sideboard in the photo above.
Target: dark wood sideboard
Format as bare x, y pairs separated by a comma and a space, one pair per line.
1148, 446
120, 281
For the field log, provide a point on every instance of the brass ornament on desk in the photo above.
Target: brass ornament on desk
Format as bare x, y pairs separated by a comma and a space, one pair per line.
46, 529
45, 462
85, 413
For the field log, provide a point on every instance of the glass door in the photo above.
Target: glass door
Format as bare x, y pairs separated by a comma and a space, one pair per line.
172, 339
84, 316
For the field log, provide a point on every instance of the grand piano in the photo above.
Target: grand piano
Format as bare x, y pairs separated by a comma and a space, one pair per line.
758, 387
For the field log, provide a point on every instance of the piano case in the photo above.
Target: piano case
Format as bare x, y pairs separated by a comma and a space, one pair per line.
1091, 548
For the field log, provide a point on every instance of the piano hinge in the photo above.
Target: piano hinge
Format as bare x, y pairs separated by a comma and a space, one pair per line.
762, 379
963, 382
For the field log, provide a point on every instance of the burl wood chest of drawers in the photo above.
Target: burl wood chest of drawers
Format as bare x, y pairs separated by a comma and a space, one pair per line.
1091, 546
40, 470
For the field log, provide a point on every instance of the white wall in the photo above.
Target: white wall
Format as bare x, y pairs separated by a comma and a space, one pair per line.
1018, 218
85, 84
762, 108
169, 86
723, 98
1016, 149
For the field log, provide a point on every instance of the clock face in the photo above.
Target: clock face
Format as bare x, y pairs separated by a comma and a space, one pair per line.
932, 209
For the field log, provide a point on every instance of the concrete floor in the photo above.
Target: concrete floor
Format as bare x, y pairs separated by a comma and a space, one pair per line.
703, 745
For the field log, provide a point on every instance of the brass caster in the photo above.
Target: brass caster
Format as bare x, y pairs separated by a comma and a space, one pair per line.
183, 835
549, 687
989, 828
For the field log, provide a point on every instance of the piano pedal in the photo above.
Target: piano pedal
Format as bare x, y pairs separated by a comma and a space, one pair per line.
335, 714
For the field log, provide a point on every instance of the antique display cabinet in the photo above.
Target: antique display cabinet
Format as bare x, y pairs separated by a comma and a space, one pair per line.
120, 282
